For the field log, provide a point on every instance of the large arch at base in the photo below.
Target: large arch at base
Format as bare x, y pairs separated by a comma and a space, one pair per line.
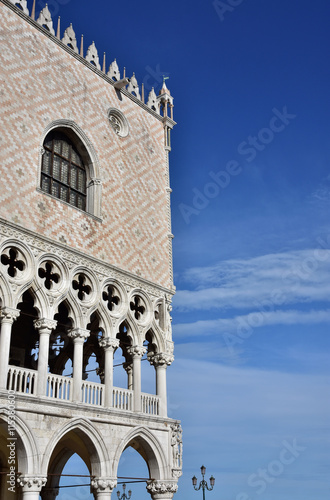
150, 449
78, 436
25, 457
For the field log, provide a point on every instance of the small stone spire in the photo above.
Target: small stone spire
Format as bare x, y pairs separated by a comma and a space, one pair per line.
33, 13
58, 33
82, 46
165, 99
103, 67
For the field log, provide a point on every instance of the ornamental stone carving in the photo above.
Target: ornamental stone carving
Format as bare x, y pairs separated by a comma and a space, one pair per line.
162, 487
160, 359
92, 56
45, 324
78, 334
8, 315
109, 343
176, 444
45, 20
114, 72
69, 39
103, 484
136, 351
31, 483
22, 4
118, 122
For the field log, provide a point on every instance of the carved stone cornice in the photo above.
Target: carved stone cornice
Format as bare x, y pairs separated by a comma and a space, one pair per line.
136, 351
101, 484
78, 335
44, 324
31, 483
109, 343
160, 359
8, 315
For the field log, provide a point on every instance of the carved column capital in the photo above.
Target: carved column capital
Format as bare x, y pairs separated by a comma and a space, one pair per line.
31, 483
103, 484
45, 324
9, 314
162, 489
109, 343
136, 351
78, 335
160, 359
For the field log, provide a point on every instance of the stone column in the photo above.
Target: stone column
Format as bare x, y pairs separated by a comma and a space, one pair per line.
161, 361
136, 352
128, 367
78, 335
7, 318
31, 486
103, 487
109, 345
45, 327
162, 490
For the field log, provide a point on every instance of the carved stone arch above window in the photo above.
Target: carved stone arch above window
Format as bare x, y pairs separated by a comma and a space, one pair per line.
77, 154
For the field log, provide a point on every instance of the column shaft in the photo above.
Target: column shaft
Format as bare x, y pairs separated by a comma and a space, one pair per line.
43, 361
161, 389
4, 353
7, 316
137, 382
79, 336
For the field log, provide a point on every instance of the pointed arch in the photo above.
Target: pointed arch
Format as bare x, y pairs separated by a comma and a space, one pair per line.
81, 437
150, 449
27, 451
88, 154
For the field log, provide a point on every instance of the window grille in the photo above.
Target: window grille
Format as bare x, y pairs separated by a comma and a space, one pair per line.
63, 173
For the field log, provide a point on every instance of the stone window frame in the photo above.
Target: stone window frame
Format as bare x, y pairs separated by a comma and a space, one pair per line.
91, 163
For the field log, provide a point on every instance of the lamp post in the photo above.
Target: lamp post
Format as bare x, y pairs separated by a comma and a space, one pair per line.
203, 484
124, 496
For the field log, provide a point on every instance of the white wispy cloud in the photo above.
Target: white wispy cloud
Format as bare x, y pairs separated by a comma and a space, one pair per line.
247, 322
283, 278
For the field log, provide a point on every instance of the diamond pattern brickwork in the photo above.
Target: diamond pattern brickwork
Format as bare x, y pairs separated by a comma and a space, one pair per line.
41, 83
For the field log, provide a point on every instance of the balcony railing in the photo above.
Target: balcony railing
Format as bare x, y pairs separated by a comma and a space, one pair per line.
22, 380
59, 388
150, 404
122, 399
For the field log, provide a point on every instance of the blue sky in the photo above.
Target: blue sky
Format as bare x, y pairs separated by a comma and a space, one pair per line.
250, 173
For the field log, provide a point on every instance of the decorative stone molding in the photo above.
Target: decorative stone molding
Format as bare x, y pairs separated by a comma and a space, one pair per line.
136, 351
9, 315
103, 484
160, 359
78, 334
133, 87
176, 444
69, 39
45, 324
162, 487
152, 101
114, 72
92, 56
118, 122
22, 4
45, 20
109, 343
31, 483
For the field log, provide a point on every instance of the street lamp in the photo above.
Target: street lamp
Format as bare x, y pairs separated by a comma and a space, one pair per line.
124, 496
203, 484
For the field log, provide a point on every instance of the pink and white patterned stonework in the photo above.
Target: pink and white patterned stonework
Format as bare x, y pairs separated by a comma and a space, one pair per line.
40, 83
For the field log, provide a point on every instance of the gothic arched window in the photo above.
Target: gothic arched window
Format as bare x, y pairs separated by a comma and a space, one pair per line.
63, 173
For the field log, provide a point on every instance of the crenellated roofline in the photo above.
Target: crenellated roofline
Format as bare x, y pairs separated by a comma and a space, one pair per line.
156, 105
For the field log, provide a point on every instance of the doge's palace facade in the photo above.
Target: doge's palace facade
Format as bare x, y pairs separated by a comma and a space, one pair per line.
85, 263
